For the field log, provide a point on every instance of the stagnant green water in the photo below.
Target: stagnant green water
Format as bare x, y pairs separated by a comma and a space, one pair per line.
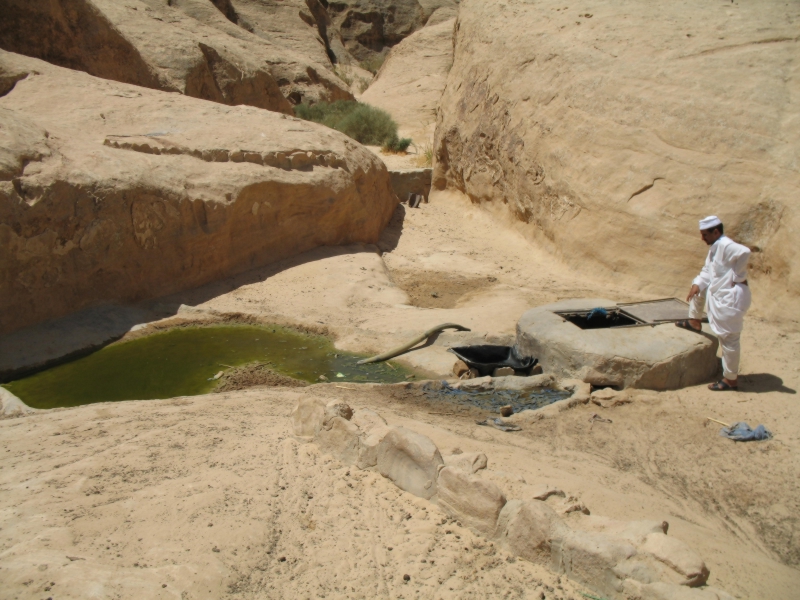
182, 362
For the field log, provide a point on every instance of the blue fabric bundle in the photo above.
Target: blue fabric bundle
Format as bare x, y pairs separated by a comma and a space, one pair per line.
741, 432
597, 312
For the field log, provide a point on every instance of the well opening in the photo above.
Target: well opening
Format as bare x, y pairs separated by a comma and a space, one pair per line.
599, 318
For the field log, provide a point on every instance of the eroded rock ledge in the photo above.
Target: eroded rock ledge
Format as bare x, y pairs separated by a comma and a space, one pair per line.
115, 193
623, 560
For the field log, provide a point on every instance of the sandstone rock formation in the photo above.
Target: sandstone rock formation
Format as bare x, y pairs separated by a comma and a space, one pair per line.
609, 132
477, 501
115, 192
410, 460
620, 560
368, 28
412, 79
195, 47
300, 25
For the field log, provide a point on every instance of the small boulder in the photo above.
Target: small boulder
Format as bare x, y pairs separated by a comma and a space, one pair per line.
580, 389
470, 462
307, 417
640, 571
528, 528
599, 378
677, 555
604, 394
475, 501
609, 397
373, 429
336, 408
368, 420
592, 559
460, 368
506, 411
410, 460
635, 532
341, 438
527, 416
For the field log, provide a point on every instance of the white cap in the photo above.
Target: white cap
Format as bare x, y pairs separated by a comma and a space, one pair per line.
709, 222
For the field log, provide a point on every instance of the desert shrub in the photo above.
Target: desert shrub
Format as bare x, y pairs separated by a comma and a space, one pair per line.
395, 144
362, 122
374, 64
368, 125
425, 156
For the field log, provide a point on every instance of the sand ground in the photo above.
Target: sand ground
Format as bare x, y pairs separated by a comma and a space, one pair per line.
211, 497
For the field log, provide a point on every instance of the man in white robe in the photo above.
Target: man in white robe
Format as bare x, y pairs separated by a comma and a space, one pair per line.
722, 283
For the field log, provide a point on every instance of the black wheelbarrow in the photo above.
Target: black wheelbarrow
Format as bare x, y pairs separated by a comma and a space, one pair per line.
486, 358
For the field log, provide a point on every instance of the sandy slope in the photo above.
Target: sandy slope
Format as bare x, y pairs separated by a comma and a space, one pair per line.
139, 482
212, 497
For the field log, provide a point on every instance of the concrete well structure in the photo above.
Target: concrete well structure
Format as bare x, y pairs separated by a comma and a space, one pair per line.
660, 357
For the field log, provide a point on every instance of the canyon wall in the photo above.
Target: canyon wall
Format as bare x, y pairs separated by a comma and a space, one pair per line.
412, 79
608, 132
195, 47
113, 192
367, 28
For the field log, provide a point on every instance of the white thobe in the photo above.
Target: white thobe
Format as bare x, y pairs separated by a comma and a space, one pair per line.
721, 284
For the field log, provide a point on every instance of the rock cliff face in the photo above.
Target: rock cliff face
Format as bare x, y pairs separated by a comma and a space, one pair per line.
608, 132
366, 28
410, 83
220, 51
112, 192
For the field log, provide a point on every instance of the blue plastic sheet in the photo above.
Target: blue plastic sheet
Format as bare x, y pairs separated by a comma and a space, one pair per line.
741, 432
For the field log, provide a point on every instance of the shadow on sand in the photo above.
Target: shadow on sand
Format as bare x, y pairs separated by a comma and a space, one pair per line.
47, 344
761, 383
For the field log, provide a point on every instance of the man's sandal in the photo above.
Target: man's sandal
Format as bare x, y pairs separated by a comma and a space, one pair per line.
723, 386
687, 325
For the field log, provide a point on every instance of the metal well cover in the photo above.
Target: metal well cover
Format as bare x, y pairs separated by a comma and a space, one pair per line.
657, 311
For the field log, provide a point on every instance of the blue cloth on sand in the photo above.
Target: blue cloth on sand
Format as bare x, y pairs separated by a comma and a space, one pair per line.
741, 432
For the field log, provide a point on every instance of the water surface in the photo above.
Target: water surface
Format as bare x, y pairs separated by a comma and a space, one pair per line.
183, 361
494, 400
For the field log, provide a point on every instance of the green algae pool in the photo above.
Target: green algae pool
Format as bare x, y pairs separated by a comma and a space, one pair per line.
183, 362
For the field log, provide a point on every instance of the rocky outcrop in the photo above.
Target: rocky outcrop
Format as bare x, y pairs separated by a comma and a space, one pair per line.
367, 28
302, 26
622, 560
111, 192
221, 51
412, 79
609, 131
